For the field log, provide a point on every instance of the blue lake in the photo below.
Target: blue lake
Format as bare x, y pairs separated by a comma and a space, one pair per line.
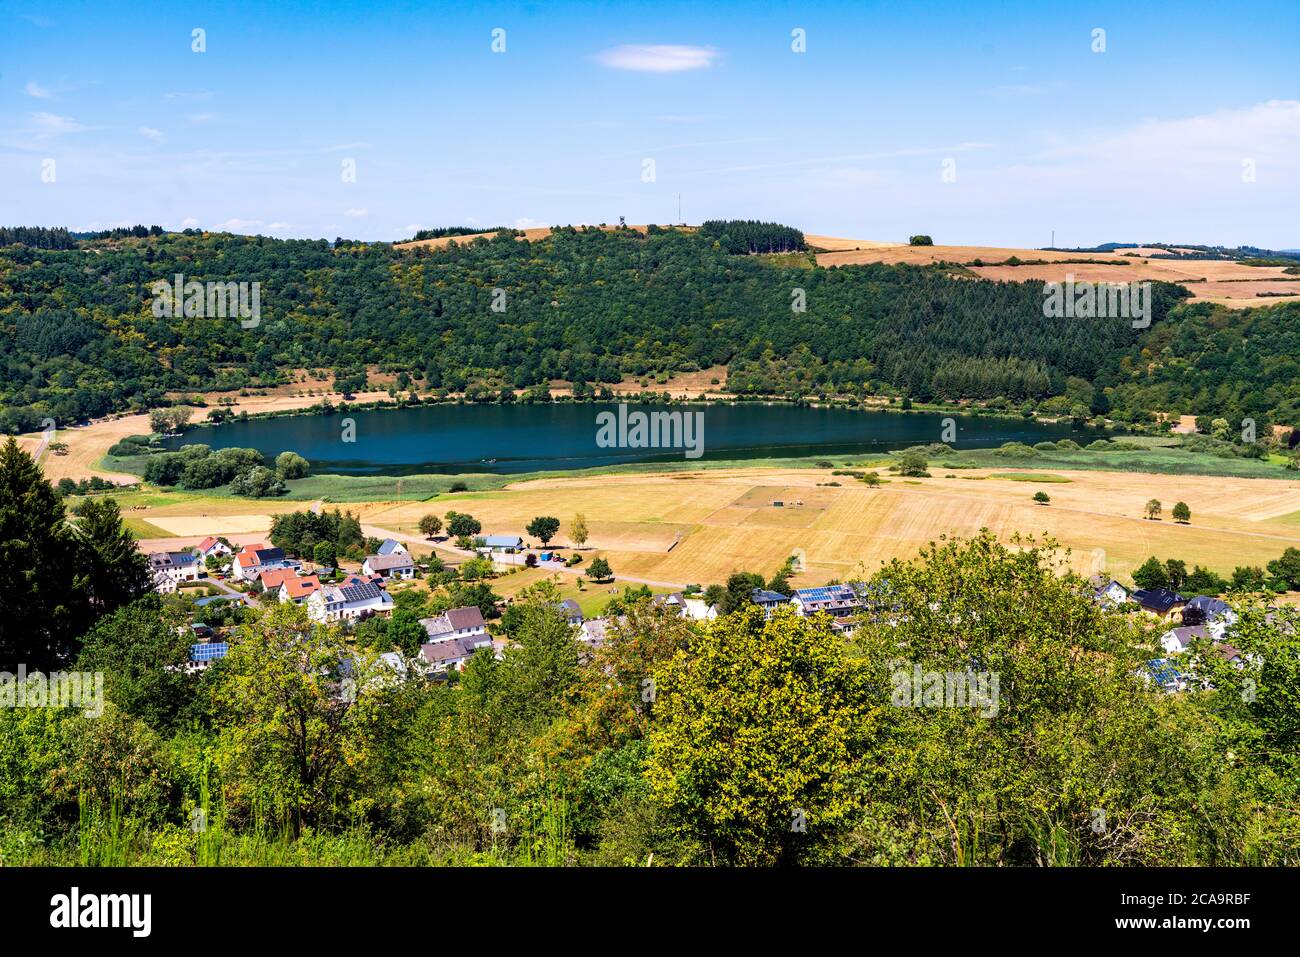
526, 438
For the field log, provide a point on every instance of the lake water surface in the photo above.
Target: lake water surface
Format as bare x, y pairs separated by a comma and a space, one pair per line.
526, 438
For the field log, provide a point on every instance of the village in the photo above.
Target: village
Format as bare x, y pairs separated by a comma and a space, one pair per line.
259, 574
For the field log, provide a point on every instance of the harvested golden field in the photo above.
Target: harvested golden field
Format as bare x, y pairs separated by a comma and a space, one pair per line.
702, 526
1228, 283
924, 255
1082, 272
199, 525
837, 244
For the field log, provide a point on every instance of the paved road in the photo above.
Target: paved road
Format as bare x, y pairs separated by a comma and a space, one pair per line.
221, 586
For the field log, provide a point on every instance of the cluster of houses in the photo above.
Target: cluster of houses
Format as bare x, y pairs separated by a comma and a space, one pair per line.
275, 573
844, 603
458, 634
1201, 619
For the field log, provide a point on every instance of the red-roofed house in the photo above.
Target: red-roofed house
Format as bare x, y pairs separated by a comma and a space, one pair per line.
273, 578
298, 589
255, 559
213, 546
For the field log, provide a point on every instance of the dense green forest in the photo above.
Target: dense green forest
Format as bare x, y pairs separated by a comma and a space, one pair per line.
79, 336
735, 742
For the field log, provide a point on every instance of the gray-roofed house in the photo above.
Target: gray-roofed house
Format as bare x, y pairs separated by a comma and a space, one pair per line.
451, 655
571, 611
1214, 613
390, 546
595, 632
769, 601
355, 599
836, 600
169, 569
507, 544
394, 565
457, 623
1177, 640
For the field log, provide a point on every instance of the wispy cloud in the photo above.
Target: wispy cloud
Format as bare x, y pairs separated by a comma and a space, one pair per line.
149, 133
1026, 89
847, 158
649, 58
236, 225
356, 213
51, 124
35, 89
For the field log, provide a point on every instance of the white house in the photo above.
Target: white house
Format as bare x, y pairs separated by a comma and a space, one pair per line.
1109, 594
502, 544
255, 559
213, 546
351, 600
1177, 640
392, 565
769, 601
391, 546
169, 569
450, 655
839, 601
698, 609
458, 623
687, 606
298, 589
595, 632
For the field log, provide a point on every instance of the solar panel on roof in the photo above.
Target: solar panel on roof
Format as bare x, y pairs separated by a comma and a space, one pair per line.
209, 650
1164, 673
361, 592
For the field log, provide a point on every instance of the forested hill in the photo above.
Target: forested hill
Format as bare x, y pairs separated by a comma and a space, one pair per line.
79, 336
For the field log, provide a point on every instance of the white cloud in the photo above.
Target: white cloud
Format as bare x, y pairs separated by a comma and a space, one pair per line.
35, 89
149, 133
523, 222
356, 213
51, 124
669, 58
236, 225
199, 118
189, 222
1266, 132
279, 226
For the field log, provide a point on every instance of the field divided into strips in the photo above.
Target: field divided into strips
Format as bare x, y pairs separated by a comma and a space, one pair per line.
1225, 282
702, 526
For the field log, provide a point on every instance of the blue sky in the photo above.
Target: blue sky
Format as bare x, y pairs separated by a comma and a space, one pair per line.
1185, 129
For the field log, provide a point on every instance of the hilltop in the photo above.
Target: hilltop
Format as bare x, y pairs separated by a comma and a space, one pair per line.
1237, 278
